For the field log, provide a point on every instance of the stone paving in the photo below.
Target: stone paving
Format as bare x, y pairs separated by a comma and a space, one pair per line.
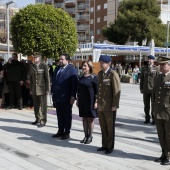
24, 146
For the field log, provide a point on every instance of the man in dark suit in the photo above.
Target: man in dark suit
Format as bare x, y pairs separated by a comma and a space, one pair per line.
146, 86
108, 103
64, 88
161, 108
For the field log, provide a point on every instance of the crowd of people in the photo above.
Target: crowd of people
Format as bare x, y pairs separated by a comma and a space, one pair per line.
95, 95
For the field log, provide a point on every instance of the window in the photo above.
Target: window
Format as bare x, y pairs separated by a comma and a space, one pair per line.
98, 31
91, 9
105, 18
91, 32
105, 6
98, 8
91, 21
98, 19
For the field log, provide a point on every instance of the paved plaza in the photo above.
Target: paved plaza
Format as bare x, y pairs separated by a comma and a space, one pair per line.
24, 146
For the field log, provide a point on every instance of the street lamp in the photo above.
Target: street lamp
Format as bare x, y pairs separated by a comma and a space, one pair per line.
167, 40
7, 9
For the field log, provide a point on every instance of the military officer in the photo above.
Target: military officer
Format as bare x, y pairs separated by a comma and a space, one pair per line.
146, 86
161, 108
39, 88
108, 103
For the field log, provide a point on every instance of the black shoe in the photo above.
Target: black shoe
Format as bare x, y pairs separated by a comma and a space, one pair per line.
84, 140
108, 151
20, 108
41, 124
10, 107
146, 121
88, 140
165, 162
160, 159
65, 136
58, 134
153, 122
101, 149
35, 123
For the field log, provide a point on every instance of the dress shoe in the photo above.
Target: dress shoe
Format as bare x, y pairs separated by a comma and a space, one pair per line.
101, 149
146, 121
153, 122
41, 124
35, 123
108, 151
65, 136
160, 159
84, 140
20, 108
58, 134
88, 140
10, 107
165, 162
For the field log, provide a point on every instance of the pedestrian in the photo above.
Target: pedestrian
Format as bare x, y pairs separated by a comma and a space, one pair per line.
1, 80
119, 69
39, 89
64, 89
161, 108
87, 100
135, 74
108, 103
16, 76
149, 71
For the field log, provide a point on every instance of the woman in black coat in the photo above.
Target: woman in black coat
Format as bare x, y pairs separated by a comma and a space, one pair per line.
87, 100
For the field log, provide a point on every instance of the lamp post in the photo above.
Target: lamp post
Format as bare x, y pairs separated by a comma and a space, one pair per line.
167, 36
7, 9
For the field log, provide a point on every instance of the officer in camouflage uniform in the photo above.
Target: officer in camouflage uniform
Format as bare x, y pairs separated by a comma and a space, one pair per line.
161, 108
146, 86
39, 89
108, 103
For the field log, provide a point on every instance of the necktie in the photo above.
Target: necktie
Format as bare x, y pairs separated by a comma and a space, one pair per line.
59, 72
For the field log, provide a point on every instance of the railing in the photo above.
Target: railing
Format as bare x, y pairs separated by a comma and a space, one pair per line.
83, 27
59, 5
83, 38
79, 17
165, 7
70, 10
85, 6
68, 1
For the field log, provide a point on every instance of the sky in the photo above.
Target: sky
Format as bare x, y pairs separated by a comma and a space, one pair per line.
20, 3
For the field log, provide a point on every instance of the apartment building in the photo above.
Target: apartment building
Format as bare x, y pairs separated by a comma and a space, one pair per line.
3, 21
87, 16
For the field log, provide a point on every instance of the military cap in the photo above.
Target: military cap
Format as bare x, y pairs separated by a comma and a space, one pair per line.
151, 57
37, 54
105, 58
163, 59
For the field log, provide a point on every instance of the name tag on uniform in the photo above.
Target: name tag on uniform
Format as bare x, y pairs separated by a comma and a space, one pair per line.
40, 70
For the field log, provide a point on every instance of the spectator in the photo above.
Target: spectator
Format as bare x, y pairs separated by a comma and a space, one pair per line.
14, 67
87, 100
1, 80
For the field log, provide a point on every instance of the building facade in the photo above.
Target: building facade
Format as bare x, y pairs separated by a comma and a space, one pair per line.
39, 1
3, 22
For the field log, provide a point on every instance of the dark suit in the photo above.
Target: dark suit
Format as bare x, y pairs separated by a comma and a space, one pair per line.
64, 86
16, 72
146, 86
108, 97
161, 108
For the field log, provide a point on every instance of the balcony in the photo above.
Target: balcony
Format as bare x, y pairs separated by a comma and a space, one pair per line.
82, 17
83, 7
70, 1
70, 10
83, 27
83, 38
59, 5
48, 1
165, 7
